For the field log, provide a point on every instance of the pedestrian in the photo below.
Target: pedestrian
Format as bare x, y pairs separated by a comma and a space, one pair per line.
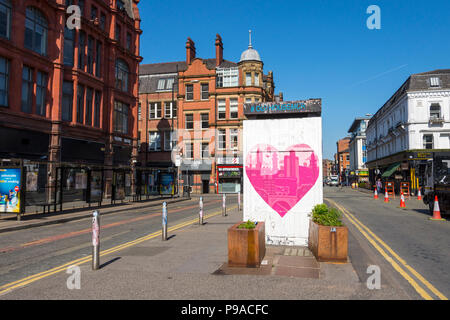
379, 185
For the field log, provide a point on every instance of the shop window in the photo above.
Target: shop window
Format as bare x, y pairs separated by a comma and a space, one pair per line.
36, 31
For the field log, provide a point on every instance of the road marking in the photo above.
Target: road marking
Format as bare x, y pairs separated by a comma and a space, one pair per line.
30, 279
373, 238
88, 230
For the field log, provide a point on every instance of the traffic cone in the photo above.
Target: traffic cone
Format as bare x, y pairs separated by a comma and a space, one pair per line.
402, 201
419, 196
436, 210
375, 195
386, 197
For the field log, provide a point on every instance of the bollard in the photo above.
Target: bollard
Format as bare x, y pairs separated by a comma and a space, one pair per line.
164, 222
200, 216
239, 201
95, 240
224, 206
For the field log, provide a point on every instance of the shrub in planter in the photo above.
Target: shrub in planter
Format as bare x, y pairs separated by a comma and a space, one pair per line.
328, 237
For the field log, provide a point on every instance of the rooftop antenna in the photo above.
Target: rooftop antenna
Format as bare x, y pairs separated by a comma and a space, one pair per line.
250, 39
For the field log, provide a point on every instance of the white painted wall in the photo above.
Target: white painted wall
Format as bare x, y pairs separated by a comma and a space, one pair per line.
293, 227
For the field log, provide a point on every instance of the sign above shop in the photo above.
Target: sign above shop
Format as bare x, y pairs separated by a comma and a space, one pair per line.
284, 107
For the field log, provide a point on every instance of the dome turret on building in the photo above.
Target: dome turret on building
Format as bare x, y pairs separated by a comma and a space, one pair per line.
250, 54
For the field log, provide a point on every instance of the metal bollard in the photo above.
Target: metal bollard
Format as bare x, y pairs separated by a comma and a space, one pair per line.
95, 240
200, 216
239, 201
224, 205
164, 222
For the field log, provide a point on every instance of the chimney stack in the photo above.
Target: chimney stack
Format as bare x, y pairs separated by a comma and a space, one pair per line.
219, 50
190, 50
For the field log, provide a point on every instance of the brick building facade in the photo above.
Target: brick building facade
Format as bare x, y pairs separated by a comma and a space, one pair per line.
343, 158
68, 99
209, 95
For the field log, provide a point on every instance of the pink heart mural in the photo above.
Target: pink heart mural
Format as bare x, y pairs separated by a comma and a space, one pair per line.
282, 178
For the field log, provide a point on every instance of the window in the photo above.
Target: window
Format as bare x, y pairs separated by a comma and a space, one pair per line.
222, 139
256, 79
435, 111
205, 120
122, 73
154, 141
434, 82
139, 111
169, 111
80, 103
205, 150
5, 18
89, 100
4, 82
248, 100
221, 108
97, 108
189, 121
120, 117
90, 56
102, 21
27, 89
67, 101
428, 141
118, 32
170, 82
189, 150
36, 30
120, 5
128, 41
41, 90
161, 84
248, 79
233, 108
81, 50
154, 110
81, 5
227, 77
69, 46
94, 12
205, 91
189, 92
170, 140
98, 60
234, 139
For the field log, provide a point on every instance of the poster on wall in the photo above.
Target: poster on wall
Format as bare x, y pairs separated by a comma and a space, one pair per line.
32, 181
10, 189
96, 186
80, 180
283, 176
166, 185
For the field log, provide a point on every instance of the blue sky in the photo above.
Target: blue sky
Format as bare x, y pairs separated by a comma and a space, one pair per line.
316, 48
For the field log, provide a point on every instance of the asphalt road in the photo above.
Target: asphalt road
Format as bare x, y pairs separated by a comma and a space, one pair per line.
423, 244
30, 251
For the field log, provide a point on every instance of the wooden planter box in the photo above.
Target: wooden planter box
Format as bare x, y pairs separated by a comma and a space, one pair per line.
246, 247
327, 245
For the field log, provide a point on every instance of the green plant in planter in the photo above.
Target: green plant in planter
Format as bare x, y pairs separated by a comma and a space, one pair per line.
247, 225
325, 216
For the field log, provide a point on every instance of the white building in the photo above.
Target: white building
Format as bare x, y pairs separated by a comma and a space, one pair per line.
357, 149
414, 119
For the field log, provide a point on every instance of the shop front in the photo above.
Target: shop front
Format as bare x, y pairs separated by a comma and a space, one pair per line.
229, 179
196, 175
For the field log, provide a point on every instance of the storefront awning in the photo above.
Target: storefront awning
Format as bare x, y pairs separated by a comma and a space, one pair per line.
391, 170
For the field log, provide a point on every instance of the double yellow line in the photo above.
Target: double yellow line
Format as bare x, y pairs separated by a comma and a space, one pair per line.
30, 279
401, 265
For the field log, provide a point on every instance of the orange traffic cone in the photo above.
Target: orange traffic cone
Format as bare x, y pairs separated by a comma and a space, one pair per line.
386, 197
419, 196
402, 201
375, 195
436, 210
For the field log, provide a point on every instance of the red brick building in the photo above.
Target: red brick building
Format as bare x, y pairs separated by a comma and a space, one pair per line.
69, 97
209, 95
343, 158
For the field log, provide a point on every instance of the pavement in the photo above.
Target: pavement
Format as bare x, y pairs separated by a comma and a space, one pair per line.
192, 265
9, 223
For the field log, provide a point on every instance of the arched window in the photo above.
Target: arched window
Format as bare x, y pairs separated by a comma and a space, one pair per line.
36, 31
5, 18
122, 74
